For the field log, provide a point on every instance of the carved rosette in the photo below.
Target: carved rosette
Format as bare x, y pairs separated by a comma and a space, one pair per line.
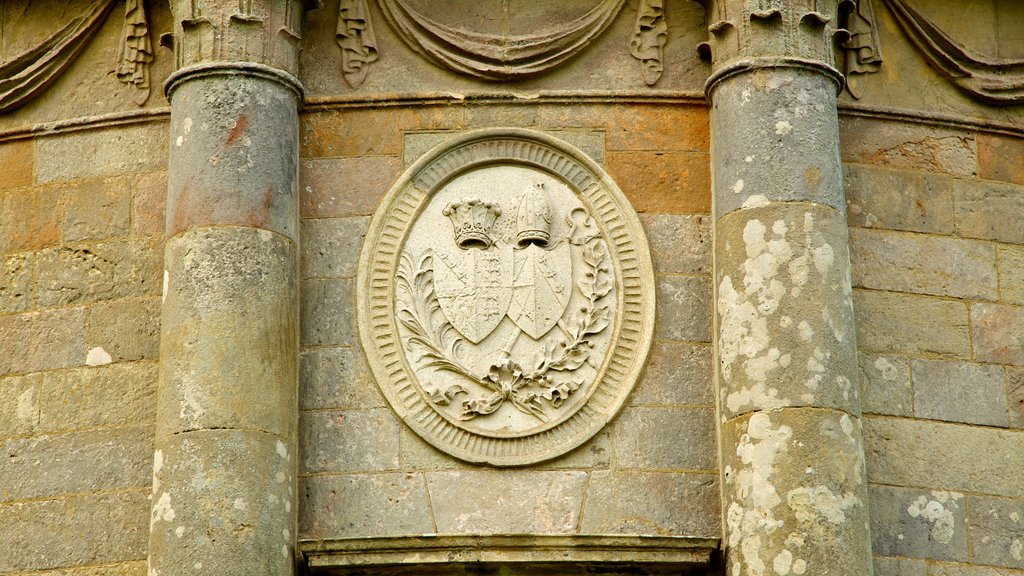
505, 297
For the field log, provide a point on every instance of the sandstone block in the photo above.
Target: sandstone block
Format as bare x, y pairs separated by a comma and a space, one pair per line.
997, 531
677, 373
921, 264
122, 394
959, 392
376, 132
348, 441
327, 312
103, 271
998, 333
909, 146
111, 151
17, 158
953, 569
330, 246
19, 404
663, 182
891, 322
336, 378
990, 210
918, 523
148, 201
29, 218
680, 244
47, 466
340, 187
515, 501
647, 503
125, 329
1010, 263
74, 530
131, 568
594, 454
885, 385
590, 142
899, 567
666, 438
944, 456
364, 505
16, 282
35, 341
1015, 388
1001, 158
684, 308
97, 208
878, 197
417, 454
659, 128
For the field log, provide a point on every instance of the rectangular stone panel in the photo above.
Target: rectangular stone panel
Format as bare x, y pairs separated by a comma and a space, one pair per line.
960, 392
327, 312
680, 243
102, 271
17, 159
97, 208
880, 197
918, 523
111, 151
44, 340
997, 531
677, 373
990, 211
363, 505
340, 187
684, 308
1010, 263
16, 282
348, 441
650, 503
120, 394
885, 384
666, 438
909, 146
124, 330
998, 333
1001, 158
953, 569
898, 566
30, 218
892, 322
331, 246
663, 182
336, 378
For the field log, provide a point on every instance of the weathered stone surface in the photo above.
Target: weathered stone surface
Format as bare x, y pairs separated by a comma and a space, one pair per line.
336, 378
130, 568
879, 197
35, 341
16, 282
341, 187
951, 569
1010, 263
1001, 158
47, 466
680, 243
29, 219
794, 492
364, 505
684, 308
997, 531
17, 158
225, 499
590, 142
923, 264
899, 567
666, 438
102, 271
918, 523
998, 334
1015, 390
74, 530
659, 128
663, 182
348, 441
784, 310
327, 312
960, 392
514, 501
775, 140
891, 322
677, 373
990, 210
945, 456
330, 246
97, 208
228, 343
417, 454
125, 329
148, 201
370, 132
110, 151
885, 385
646, 503
909, 146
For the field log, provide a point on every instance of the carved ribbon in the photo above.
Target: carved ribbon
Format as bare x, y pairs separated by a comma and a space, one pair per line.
33, 70
648, 41
993, 80
497, 57
357, 41
136, 52
863, 49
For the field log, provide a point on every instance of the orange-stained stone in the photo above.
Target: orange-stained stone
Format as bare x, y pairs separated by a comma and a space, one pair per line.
30, 218
16, 163
371, 132
1001, 158
669, 182
659, 128
148, 204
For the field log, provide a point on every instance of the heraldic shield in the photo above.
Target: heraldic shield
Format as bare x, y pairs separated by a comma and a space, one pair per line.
541, 288
474, 288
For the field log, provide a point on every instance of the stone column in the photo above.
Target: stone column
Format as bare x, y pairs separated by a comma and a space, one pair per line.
794, 492
224, 470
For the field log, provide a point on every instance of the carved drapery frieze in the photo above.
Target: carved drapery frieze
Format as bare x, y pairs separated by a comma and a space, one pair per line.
504, 298
498, 55
357, 41
135, 54
649, 36
862, 48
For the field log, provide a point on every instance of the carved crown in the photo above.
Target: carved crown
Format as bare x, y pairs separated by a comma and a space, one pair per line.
533, 220
473, 220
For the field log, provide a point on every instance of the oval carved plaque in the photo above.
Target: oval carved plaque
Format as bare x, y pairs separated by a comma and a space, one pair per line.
505, 297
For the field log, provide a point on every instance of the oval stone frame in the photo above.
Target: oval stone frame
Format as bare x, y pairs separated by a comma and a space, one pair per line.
633, 323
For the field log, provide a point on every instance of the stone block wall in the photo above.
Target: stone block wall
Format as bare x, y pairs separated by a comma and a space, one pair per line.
936, 243
653, 471
81, 233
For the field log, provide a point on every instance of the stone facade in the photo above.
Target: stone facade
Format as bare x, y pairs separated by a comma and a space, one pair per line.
832, 377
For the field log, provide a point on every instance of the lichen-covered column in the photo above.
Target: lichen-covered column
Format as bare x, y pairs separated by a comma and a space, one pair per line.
794, 492
224, 469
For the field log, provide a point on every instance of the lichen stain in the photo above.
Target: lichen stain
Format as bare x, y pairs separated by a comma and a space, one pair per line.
162, 510
937, 510
811, 504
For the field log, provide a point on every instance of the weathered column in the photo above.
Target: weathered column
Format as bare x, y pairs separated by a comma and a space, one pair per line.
793, 484
225, 459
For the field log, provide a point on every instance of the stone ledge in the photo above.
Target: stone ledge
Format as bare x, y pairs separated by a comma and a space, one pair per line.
543, 554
